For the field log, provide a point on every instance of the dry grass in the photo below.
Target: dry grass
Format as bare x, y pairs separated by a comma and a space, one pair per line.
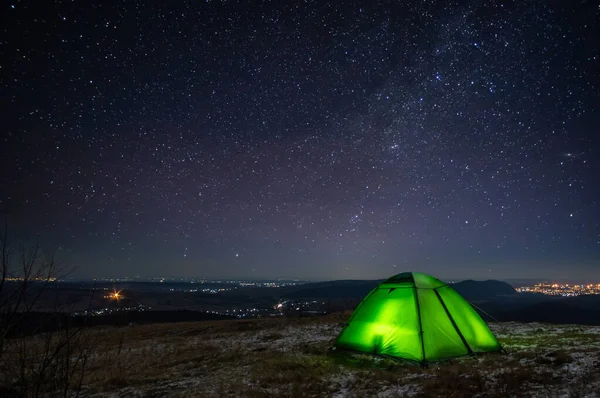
292, 358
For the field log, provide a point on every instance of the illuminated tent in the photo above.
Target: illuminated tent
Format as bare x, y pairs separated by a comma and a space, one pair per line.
419, 318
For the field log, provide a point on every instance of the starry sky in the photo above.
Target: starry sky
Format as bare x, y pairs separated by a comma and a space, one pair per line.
307, 139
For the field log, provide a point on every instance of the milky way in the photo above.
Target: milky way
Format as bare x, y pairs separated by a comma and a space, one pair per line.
320, 140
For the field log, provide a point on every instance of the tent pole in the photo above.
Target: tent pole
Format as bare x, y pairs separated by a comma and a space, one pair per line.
424, 361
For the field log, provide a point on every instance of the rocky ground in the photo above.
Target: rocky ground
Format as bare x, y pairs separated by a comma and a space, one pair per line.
292, 358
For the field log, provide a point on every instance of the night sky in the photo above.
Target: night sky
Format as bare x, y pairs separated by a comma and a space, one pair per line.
306, 139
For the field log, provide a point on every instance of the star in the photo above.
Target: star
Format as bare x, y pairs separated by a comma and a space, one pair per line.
305, 140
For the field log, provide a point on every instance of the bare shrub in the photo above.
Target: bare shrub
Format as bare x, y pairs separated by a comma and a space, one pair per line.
41, 350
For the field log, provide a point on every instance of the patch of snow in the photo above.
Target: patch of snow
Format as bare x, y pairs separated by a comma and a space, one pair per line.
292, 337
345, 391
407, 390
344, 381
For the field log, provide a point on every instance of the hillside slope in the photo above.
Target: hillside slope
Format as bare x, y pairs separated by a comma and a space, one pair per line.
292, 358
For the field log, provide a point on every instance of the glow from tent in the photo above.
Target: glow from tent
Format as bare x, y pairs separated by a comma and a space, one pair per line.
390, 321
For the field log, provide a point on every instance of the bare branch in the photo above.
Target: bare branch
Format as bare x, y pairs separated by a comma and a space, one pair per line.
4, 255
43, 362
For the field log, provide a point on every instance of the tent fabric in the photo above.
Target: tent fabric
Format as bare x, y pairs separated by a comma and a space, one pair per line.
416, 317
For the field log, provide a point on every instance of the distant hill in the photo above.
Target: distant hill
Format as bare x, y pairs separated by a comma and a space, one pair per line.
584, 310
493, 299
357, 289
35, 322
477, 290
353, 289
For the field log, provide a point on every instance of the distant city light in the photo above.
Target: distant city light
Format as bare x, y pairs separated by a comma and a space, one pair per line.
559, 289
115, 295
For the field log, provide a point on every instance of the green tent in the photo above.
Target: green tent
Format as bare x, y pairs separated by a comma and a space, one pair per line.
419, 318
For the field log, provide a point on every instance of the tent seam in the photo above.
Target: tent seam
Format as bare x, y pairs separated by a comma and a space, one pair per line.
462, 338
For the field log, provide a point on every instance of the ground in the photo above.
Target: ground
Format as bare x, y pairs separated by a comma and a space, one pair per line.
292, 358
